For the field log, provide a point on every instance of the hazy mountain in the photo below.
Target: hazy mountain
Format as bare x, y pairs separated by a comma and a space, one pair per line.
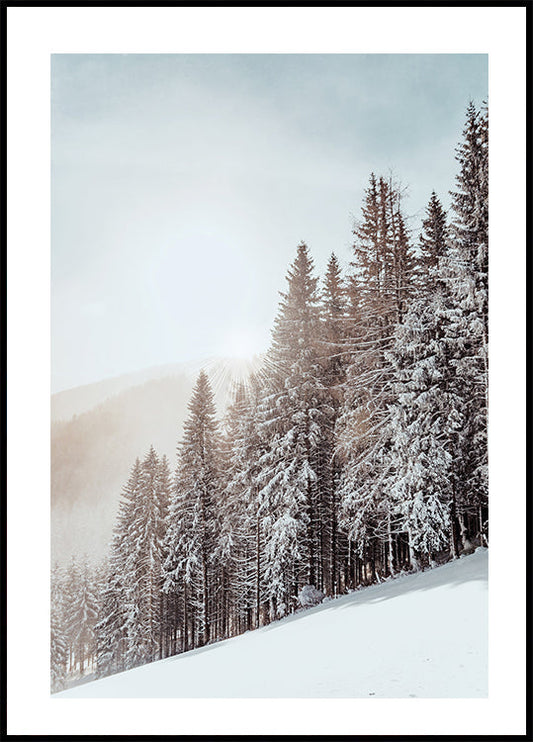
70, 402
97, 432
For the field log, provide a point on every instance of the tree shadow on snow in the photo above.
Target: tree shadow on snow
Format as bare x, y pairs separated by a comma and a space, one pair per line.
473, 568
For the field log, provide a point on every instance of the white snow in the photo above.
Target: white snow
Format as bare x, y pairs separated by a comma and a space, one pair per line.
421, 635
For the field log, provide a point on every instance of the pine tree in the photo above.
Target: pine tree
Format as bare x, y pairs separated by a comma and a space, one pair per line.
469, 332
82, 615
234, 548
427, 416
245, 507
425, 422
433, 243
191, 539
382, 282
167, 608
293, 421
335, 348
144, 564
111, 629
335, 333
383, 260
70, 587
58, 635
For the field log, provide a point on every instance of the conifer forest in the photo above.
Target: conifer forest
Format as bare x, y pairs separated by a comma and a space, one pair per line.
357, 451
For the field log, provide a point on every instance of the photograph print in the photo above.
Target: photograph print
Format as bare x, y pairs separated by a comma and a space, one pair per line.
269, 296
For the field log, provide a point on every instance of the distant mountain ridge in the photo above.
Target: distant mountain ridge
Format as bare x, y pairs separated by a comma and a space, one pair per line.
77, 400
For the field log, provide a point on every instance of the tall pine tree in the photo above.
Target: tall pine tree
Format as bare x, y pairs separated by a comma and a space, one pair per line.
294, 423
191, 539
469, 332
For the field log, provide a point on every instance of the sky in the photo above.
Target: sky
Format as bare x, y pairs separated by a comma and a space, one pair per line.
182, 185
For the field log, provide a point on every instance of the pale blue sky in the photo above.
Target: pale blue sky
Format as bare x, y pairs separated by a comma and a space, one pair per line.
182, 184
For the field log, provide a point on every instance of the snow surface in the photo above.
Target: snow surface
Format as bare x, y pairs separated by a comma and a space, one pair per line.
422, 635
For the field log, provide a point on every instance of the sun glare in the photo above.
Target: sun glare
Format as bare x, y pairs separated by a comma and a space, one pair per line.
242, 345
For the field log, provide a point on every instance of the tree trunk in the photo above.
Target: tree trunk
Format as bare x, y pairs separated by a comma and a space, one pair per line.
185, 637
333, 559
455, 536
391, 551
257, 576
205, 603
482, 537
412, 556
311, 575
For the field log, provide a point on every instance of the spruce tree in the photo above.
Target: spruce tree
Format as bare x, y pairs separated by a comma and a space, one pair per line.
167, 609
111, 629
235, 548
82, 614
468, 277
58, 635
335, 350
382, 280
190, 567
294, 421
144, 564
427, 415
433, 243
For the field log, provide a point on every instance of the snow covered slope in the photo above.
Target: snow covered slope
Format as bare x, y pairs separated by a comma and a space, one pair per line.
421, 635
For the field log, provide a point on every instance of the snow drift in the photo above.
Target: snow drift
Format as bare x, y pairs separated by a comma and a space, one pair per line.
421, 635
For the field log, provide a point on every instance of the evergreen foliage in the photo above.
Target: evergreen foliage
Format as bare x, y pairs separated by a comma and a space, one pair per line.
191, 540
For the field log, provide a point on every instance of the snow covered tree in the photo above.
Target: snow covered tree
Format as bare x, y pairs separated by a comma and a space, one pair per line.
58, 635
111, 629
191, 540
82, 614
426, 415
234, 538
131, 626
335, 338
335, 346
144, 564
167, 610
243, 523
294, 417
469, 332
383, 259
382, 279
335, 320
425, 427
433, 243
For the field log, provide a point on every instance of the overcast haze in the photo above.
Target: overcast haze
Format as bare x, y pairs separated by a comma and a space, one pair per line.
182, 184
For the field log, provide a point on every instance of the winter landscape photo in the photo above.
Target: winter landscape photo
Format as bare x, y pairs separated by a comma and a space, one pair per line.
269, 403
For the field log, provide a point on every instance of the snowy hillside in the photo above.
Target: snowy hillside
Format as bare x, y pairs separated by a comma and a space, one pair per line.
418, 636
